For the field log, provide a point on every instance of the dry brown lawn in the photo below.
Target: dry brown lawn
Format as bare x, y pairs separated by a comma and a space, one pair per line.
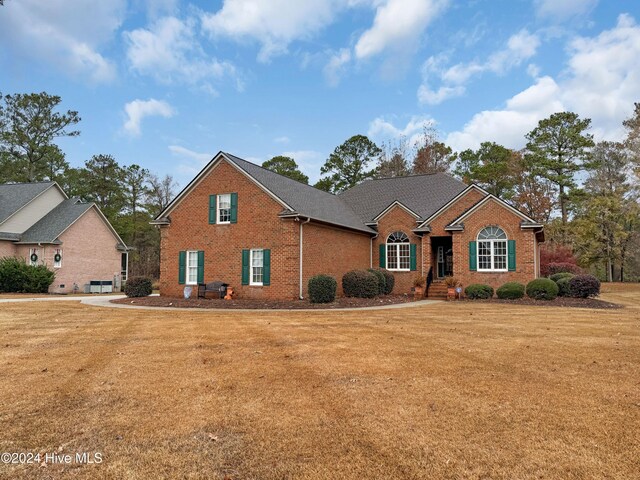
441, 391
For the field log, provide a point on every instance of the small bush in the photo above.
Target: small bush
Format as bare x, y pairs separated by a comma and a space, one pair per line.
511, 291
360, 283
542, 289
138, 287
478, 291
557, 276
16, 276
382, 281
563, 267
563, 286
584, 286
322, 289
390, 281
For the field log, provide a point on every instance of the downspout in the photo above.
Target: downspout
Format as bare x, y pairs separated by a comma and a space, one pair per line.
371, 249
300, 282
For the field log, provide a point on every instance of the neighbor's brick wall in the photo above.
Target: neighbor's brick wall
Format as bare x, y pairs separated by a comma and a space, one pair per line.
88, 253
258, 227
334, 252
398, 219
493, 213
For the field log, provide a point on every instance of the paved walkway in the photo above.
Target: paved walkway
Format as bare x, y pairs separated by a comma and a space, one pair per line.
105, 301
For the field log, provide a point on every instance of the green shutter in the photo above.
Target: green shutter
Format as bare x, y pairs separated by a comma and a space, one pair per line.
473, 257
200, 266
212, 209
383, 255
234, 208
245, 267
182, 267
511, 258
412, 257
266, 267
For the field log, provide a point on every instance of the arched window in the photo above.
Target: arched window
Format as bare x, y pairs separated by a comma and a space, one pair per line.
398, 251
492, 250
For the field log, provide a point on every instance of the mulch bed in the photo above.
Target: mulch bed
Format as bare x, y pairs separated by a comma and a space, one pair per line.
558, 302
248, 303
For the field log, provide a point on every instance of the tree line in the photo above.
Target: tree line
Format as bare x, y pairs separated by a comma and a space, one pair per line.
585, 193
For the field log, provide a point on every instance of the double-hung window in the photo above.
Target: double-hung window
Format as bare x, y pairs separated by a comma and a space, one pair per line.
192, 267
398, 252
492, 250
57, 258
224, 208
257, 267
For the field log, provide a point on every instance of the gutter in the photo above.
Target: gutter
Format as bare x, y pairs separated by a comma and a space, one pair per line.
301, 252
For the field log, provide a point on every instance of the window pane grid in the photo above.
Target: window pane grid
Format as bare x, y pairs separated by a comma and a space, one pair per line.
492, 254
257, 267
392, 257
403, 256
224, 208
192, 267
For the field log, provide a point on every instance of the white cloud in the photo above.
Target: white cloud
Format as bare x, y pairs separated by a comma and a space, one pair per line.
520, 47
274, 24
383, 130
560, 10
137, 110
601, 82
170, 52
192, 162
335, 68
58, 33
398, 24
283, 139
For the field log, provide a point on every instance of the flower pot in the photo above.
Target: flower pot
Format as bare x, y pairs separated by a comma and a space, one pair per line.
418, 292
451, 293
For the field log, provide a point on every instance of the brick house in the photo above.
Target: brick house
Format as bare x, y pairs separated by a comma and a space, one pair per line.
266, 234
40, 224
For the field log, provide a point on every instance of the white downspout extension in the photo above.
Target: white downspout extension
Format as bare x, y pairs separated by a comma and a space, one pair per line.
301, 251
422, 256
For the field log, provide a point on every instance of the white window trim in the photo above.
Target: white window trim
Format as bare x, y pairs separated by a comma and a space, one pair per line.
492, 254
220, 222
186, 273
31, 252
251, 282
57, 251
397, 255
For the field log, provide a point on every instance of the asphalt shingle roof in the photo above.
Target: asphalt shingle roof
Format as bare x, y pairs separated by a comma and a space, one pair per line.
51, 226
423, 194
304, 199
14, 196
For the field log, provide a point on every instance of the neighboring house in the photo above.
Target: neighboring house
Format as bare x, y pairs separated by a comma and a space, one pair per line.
266, 234
39, 223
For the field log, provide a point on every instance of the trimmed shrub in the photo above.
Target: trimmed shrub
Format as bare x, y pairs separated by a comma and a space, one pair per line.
360, 283
557, 276
390, 281
563, 267
511, 291
16, 276
477, 291
322, 289
584, 286
138, 287
563, 286
382, 281
542, 289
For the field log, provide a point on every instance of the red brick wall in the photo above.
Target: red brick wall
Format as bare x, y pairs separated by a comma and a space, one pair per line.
7, 249
398, 219
258, 227
494, 213
333, 252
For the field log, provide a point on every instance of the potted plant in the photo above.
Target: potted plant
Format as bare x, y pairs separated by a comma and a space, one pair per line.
418, 287
451, 283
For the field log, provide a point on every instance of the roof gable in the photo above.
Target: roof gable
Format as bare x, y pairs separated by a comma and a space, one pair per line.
398, 204
451, 202
457, 223
15, 196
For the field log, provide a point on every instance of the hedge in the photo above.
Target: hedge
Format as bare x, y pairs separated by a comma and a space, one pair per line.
16, 276
584, 286
511, 291
360, 283
557, 276
382, 281
138, 287
478, 291
542, 289
390, 281
563, 286
322, 289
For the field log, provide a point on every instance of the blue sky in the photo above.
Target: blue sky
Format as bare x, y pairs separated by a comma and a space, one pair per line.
166, 84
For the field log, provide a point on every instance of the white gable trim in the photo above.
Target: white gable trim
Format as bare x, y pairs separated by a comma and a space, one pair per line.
54, 184
396, 203
452, 201
488, 198
200, 176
